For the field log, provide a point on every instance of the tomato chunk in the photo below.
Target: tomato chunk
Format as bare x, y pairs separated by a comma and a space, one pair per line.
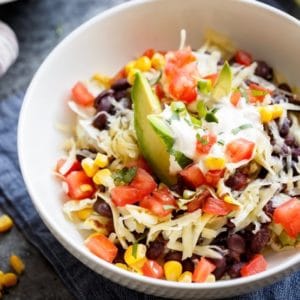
149, 52
239, 149
198, 202
212, 177
102, 247
80, 186
75, 166
202, 270
243, 58
257, 93
164, 196
81, 95
122, 195
256, 265
144, 182
140, 163
288, 215
217, 207
207, 141
159, 91
153, 269
235, 98
155, 206
192, 176
212, 77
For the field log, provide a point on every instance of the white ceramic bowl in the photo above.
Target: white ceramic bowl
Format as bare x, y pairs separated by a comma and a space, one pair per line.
107, 42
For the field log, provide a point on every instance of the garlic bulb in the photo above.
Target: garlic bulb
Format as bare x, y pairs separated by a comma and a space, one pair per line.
9, 48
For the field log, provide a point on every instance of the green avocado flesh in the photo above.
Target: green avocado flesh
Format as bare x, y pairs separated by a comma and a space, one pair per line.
145, 103
224, 82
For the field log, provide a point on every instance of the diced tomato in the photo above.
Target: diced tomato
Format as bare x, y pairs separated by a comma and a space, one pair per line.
254, 89
149, 52
144, 182
140, 163
153, 269
122, 195
155, 206
235, 98
102, 247
180, 58
288, 215
164, 196
183, 87
239, 149
243, 58
202, 270
81, 95
207, 141
217, 207
159, 91
192, 176
212, 177
212, 77
256, 265
198, 202
76, 166
80, 186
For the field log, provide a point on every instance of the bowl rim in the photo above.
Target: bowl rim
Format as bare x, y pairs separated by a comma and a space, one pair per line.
85, 257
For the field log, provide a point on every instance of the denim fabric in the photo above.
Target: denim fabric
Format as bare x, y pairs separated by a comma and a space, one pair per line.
81, 282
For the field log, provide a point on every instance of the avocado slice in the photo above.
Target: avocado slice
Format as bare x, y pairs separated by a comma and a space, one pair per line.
224, 82
153, 148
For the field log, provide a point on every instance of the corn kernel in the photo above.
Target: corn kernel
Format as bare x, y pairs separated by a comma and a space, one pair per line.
9, 279
89, 167
102, 80
158, 61
131, 75
103, 177
266, 113
83, 213
1, 279
17, 264
135, 256
214, 163
130, 66
101, 160
210, 278
6, 223
185, 277
231, 200
122, 266
173, 270
143, 63
277, 111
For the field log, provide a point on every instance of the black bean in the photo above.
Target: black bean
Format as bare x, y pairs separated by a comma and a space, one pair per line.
229, 224
290, 141
155, 249
102, 208
173, 255
264, 70
120, 255
260, 239
234, 256
105, 104
284, 128
121, 84
285, 87
100, 122
188, 265
103, 94
269, 209
220, 239
221, 266
235, 269
262, 173
237, 181
120, 94
178, 188
236, 243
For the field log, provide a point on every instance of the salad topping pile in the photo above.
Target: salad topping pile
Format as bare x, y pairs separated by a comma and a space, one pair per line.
185, 165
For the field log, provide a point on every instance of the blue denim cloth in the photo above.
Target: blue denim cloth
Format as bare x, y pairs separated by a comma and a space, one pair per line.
81, 282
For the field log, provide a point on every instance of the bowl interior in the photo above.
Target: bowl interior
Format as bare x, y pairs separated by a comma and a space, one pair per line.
105, 44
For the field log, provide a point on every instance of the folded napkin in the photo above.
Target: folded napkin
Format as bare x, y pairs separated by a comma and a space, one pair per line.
81, 282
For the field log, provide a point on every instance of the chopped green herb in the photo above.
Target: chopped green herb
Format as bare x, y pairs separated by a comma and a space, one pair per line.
211, 117
182, 160
196, 122
242, 127
221, 142
214, 110
204, 86
201, 108
178, 107
134, 250
201, 139
124, 176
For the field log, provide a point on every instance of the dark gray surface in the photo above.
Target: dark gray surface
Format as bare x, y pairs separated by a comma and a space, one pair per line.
40, 25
